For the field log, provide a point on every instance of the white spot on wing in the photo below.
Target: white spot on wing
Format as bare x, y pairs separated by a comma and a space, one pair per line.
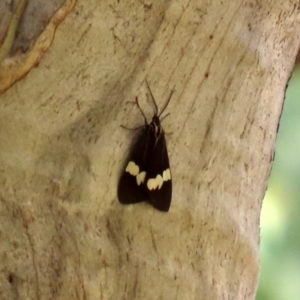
167, 175
154, 183
140, 178
132, 169
151, 184
157, 182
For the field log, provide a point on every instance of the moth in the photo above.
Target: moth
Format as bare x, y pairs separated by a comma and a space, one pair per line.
147, 176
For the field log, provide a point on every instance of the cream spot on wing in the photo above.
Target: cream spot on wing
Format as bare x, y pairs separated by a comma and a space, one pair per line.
167, 175
140, 178
154, 183
157, 182
132, 169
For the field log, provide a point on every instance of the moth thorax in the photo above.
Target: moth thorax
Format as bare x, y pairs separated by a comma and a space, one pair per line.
155, 124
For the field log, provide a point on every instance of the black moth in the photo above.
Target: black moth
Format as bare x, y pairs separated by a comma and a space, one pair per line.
147, 176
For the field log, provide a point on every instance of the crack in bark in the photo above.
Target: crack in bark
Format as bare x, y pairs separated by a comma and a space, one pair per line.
25, 224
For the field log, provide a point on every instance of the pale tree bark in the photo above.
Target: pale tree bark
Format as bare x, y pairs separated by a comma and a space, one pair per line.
63, 233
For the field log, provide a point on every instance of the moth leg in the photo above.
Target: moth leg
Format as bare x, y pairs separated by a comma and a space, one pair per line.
169, 133
164, 117
132, 129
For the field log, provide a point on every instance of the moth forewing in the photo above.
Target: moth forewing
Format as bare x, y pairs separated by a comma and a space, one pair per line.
158, 179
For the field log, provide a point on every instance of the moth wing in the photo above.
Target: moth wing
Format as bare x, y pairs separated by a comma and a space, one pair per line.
129, 191
159, 171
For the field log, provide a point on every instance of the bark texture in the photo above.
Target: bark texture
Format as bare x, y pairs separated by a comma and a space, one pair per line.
63, 233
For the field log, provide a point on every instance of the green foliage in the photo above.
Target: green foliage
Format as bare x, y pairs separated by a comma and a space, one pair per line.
280, 219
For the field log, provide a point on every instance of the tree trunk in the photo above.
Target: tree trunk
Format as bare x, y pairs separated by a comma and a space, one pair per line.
63, 232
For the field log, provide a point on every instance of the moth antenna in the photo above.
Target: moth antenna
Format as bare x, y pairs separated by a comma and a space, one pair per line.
137, 102
167, 103
152, 98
